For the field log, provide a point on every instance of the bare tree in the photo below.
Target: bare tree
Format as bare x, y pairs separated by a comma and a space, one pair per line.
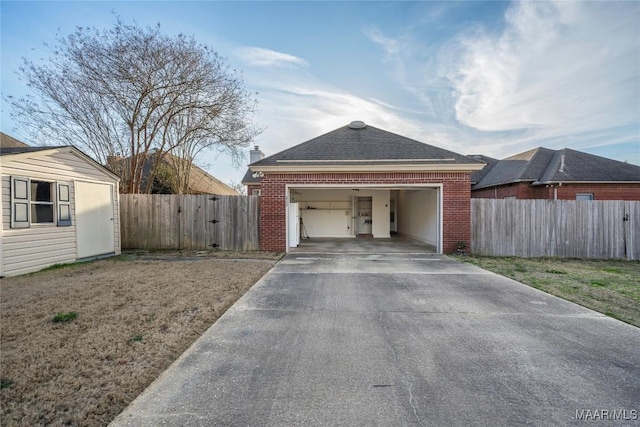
130, 91
239, 187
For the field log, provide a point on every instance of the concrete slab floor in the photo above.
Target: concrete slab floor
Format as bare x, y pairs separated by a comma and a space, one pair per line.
395, 244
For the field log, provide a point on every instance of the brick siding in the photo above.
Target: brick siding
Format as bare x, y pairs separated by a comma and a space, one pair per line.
251, 188
456, 193
524, 190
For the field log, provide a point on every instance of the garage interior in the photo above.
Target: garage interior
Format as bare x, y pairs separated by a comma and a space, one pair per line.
398, 214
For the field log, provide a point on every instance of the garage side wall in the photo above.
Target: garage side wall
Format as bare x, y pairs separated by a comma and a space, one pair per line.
26, 250
456, 189
418, 215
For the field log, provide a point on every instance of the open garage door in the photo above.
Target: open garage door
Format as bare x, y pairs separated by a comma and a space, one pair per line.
400, 213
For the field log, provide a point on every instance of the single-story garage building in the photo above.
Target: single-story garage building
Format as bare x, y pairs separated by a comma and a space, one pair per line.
361, 181
58, 206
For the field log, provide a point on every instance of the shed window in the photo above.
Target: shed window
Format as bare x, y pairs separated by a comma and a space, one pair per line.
39, 202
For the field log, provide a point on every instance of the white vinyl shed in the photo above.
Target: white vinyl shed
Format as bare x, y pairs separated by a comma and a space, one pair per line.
58, 206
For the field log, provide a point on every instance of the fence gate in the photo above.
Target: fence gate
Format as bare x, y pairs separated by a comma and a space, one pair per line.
631, 223
200, 222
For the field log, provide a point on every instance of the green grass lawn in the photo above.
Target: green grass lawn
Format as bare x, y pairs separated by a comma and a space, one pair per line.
611, 287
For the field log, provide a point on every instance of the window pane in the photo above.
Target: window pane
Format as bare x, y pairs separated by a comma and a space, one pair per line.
584, 196
40, 191
41, 213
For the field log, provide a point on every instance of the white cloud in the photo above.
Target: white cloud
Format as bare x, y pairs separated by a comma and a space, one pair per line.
559, 74
262, 57
388, 44
558, 67
295, 112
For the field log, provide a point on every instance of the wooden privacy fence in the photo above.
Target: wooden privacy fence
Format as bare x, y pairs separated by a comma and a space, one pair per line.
202, 222
556, 228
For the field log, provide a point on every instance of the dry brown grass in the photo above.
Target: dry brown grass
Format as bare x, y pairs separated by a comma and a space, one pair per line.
134, 317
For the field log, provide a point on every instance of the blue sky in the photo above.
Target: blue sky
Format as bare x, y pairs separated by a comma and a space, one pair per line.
495, 78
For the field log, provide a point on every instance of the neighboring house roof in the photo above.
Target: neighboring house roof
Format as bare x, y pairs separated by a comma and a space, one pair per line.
200, 182
249, 178
362, 147
544, 166
7, 141
476, 176
13, 152
20, 150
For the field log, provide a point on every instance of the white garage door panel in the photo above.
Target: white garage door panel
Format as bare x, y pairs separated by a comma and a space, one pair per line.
326, 223
94, 219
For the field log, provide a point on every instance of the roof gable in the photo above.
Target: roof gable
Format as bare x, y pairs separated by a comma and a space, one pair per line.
537, 164
9, 154
364, 146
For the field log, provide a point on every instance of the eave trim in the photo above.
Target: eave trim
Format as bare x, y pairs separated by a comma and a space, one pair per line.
461, 167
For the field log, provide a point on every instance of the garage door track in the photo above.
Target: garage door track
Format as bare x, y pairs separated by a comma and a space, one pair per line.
397, 339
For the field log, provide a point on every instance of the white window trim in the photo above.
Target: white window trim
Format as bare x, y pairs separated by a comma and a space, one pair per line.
590, 195
52, 203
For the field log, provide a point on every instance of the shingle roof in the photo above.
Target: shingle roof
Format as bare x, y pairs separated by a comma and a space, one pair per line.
369, 145
200, 182
476, 176
20, 150
527, 166
7, 141
249, 178
571, 165
542, 166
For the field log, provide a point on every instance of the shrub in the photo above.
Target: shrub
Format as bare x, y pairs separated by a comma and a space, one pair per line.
65, 317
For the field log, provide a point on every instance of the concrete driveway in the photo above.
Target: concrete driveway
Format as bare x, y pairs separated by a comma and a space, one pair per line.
393, 340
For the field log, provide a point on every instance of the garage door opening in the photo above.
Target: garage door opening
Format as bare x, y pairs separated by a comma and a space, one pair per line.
346, 219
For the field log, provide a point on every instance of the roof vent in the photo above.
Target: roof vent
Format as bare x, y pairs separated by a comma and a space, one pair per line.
357, 124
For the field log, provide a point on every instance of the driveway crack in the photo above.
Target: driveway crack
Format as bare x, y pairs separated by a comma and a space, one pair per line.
415, 410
